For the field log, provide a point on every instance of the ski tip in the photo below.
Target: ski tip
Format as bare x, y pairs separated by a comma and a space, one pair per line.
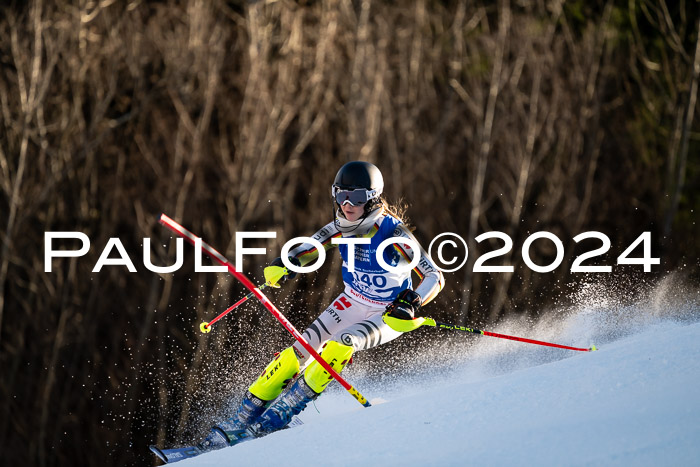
296, 421
155, 450
593, 348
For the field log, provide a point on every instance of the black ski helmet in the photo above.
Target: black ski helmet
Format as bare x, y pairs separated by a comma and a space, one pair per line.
357, 175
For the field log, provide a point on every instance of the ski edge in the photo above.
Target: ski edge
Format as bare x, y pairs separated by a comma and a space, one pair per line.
158, 452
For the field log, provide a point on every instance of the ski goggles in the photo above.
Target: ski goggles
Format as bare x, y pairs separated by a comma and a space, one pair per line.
356, 197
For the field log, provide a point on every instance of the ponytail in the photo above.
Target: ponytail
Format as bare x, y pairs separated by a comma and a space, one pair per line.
397, 210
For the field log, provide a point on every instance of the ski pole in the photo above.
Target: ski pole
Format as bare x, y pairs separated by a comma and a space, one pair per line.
432, 322
205, 327
272, 279
218, 257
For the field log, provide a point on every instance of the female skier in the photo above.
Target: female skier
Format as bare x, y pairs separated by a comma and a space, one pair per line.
359, 318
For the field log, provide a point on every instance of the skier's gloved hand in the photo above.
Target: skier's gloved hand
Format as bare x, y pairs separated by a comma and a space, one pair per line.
276, 273
405, 305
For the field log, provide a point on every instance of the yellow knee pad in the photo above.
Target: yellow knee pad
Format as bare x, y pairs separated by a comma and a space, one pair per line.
337, 355
272, 381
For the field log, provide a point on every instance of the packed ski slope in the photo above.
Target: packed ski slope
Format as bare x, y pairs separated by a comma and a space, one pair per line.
636, 401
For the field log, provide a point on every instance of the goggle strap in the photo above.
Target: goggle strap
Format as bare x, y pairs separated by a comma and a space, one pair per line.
370, 194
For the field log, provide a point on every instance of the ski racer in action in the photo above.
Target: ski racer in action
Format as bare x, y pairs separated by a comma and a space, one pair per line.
376, 306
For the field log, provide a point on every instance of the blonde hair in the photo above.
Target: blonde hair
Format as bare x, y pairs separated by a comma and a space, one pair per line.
397, 210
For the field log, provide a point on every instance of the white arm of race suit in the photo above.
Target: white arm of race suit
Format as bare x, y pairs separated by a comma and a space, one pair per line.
431, 279
307, 253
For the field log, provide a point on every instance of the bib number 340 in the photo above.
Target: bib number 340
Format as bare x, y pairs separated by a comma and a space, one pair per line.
372, 280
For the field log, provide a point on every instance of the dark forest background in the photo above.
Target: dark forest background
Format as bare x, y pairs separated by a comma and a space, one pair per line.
233, 116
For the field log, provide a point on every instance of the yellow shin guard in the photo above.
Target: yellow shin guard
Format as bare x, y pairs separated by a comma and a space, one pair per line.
337, 355
276, 376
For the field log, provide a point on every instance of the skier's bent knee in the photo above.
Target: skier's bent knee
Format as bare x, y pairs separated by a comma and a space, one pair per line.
337, 355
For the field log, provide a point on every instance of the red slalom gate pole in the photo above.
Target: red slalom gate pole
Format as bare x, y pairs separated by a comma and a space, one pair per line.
219, 258
432, 322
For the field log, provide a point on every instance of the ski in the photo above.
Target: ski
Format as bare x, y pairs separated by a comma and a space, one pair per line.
172, 455
230, 437
175, 454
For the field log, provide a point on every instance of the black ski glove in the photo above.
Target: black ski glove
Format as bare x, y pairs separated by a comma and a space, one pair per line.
405, 305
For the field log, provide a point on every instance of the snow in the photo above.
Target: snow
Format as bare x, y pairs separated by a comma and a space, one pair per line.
635, 401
